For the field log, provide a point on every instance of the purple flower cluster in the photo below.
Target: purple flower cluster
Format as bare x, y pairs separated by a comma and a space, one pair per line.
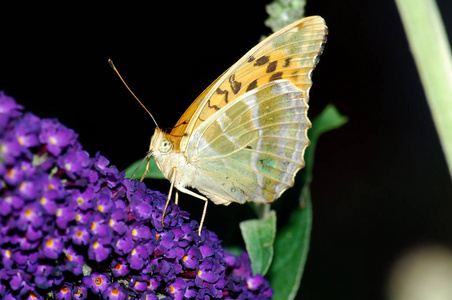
71, 227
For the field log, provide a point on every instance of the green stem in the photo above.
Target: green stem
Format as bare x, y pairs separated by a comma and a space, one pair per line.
431, 51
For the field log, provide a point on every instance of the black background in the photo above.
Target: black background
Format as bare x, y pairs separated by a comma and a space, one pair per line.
381, 186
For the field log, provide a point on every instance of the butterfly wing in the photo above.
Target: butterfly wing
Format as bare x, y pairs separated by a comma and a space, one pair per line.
180, 130
291, 53
251, 149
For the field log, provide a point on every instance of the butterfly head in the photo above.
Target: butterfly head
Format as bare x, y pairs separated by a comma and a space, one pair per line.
165, 150
160, 143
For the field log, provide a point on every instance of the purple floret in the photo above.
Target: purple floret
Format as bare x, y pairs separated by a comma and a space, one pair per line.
72, 227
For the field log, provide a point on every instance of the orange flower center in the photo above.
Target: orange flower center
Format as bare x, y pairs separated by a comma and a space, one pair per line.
98, 281
49, 243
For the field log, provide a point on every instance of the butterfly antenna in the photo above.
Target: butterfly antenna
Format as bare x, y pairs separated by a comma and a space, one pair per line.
120, 77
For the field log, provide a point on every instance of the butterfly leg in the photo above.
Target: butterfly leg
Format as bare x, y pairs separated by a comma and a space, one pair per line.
173, 179
186, 191
204, 211
148, 157
206, 201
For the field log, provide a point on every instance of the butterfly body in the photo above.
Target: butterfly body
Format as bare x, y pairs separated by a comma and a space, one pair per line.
171, 161
244, 137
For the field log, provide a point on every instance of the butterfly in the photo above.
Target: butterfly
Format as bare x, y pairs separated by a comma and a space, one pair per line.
243, 139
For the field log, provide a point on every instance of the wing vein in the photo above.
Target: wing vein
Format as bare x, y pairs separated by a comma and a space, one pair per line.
228, 129
242, 148
256, 104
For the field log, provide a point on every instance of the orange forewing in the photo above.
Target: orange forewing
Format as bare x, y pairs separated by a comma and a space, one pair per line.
287, 54
180, 128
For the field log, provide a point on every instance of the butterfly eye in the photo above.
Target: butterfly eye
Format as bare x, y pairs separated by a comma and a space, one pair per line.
165, 146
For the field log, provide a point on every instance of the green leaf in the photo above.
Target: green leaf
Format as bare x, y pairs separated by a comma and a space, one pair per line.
259, 235
327, 120
154, 172
291, 251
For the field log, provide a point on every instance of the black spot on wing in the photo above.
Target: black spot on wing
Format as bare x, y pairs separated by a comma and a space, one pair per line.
225, 93
252, 85
287, 62
271, 67
262, 60
276, 76
212, 106
235, 85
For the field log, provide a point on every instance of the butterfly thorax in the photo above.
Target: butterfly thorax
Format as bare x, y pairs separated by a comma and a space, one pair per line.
168, 157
